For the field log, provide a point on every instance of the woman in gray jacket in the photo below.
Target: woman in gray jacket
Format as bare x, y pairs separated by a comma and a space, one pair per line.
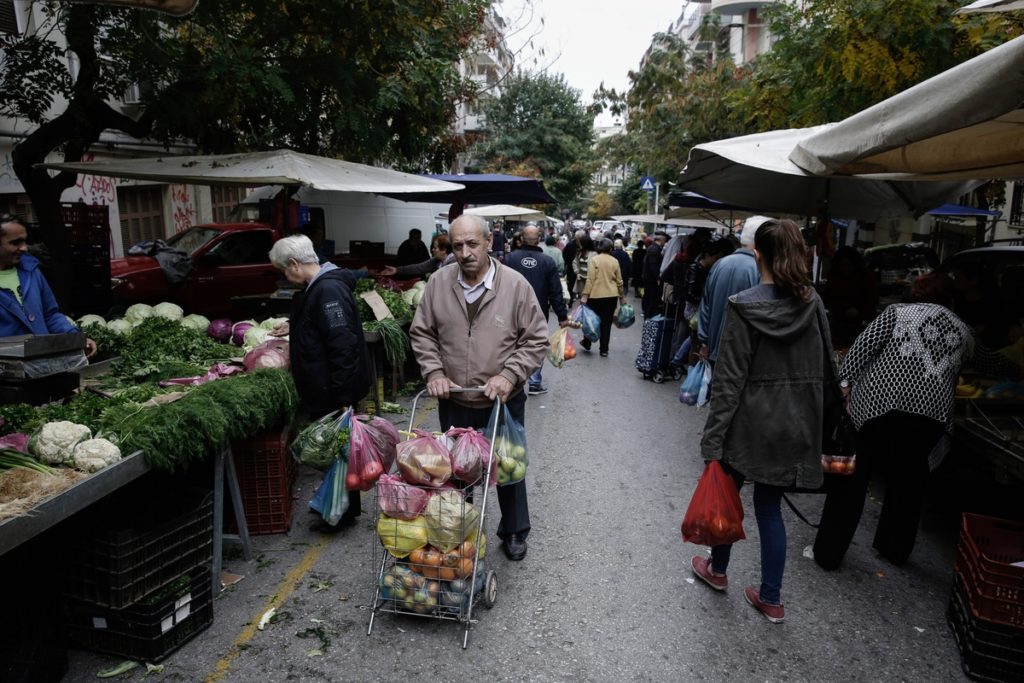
774, 369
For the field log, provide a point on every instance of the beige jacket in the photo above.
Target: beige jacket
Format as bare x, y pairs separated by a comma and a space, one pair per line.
604, 279
507, 337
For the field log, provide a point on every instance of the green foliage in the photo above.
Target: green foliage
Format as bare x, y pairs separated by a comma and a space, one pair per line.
395, 303
833, 58
198, 424
677, 99
539, 128
628, 197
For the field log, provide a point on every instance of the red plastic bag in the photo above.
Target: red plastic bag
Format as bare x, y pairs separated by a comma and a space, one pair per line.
424, 461
715, 513
364, 458
470, 454
400, 500
386, 436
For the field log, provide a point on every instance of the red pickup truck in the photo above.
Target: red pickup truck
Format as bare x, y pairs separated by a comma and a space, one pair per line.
228, 260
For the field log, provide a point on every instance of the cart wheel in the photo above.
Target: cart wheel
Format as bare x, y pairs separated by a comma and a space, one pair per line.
658, 377
490, 594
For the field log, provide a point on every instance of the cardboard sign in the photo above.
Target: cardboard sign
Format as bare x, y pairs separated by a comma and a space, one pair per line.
377, 305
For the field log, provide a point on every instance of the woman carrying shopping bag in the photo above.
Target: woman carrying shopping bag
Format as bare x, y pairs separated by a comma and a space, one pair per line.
603, 290
775, 354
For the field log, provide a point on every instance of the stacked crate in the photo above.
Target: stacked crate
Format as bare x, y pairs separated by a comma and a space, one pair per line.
88, 229
986, 608
266, 473
136, 572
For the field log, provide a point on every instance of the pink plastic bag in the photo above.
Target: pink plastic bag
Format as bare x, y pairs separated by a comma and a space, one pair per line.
400, 500
470, 454
364, 459
424, 461
386, 436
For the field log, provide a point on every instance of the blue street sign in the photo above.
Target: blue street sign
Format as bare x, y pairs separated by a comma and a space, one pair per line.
647, 183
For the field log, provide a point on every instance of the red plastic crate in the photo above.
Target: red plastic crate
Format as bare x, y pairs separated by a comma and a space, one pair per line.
993, 545
266, 472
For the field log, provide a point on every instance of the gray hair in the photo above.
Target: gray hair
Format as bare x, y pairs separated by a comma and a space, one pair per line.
298, 247
481, 224
580, 234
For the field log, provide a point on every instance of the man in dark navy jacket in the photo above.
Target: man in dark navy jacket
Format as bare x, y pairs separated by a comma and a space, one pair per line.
328, 355
541, 272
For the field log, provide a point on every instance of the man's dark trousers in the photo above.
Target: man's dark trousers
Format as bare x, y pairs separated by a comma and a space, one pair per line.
515, 513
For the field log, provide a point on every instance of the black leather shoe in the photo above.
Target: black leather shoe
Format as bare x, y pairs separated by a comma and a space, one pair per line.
514, 547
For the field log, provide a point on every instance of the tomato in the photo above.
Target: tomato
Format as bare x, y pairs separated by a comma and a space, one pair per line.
570, 352
353, 482
372, 471
719, 526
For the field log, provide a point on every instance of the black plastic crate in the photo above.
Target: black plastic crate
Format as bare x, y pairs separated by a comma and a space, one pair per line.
136, 541
150, 629
33, 639
988, 651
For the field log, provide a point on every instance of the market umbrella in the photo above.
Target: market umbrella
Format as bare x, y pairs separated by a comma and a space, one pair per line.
659, 219
991, 6
681, 204
485, 188
965, 123
278, 167
506, 212
755, 171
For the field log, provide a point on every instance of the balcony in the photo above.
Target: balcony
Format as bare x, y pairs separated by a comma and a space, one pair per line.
734, 7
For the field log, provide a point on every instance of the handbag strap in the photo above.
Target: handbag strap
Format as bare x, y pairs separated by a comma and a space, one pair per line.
796, 511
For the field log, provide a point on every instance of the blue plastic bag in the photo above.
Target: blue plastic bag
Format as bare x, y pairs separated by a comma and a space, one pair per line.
590, 321
689, 390
625, 316
704, 393
331, 498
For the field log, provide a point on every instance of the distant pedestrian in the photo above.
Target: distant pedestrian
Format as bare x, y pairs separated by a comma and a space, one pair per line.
652, 276
625, 265
603, 290
541, 272
572, 248
731, 275
581, 264
639, 252
555, 253
412, 250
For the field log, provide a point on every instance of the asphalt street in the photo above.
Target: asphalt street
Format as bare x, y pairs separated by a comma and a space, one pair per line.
605, 593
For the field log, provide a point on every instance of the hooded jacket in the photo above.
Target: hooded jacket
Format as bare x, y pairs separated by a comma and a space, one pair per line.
508, 336
328, 354
774, 369
38, 312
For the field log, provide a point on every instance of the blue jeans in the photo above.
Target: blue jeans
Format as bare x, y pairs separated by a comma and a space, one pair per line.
683, 354
771, 528
535, 378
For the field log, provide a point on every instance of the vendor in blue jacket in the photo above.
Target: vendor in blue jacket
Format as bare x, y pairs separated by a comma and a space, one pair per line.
27, 305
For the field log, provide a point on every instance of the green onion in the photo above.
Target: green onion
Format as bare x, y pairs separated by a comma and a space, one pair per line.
10, 459
392, 336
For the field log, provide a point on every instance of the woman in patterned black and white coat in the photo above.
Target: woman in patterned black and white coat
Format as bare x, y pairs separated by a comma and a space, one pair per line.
900, 374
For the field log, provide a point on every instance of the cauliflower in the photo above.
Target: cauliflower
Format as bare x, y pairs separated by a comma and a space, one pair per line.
95, 454
54, 444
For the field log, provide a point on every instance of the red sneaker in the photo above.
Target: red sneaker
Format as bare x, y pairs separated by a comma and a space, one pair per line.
773, 613
702, 570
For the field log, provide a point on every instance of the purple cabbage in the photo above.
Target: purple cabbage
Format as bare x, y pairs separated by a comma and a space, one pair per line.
238, 332
220, 330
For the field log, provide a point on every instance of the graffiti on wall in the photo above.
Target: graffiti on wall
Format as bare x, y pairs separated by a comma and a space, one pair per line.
183, 208
95, 189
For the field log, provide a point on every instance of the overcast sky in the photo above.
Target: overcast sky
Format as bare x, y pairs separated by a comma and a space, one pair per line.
589, 41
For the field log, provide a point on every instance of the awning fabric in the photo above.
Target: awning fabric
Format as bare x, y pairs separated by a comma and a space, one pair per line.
961, 211
486, 188
278, 167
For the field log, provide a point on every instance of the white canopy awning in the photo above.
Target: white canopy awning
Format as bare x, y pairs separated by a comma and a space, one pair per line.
755, 171
991, 6
506, 212
660, 219
966, 123
278, 167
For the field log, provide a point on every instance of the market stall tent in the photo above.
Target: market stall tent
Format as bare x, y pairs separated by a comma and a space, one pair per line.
963, 124
506, 212
277, 167
755, 171
991, 6
485, 188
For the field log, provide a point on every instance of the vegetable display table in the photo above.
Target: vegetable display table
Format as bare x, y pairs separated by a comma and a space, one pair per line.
50, 512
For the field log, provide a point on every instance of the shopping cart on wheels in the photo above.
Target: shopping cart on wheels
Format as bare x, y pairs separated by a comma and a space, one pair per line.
412, 576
